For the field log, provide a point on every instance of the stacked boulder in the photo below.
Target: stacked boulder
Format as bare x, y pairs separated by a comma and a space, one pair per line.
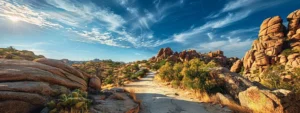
265, 50
26, 86
293, 35
187, 55
275, 45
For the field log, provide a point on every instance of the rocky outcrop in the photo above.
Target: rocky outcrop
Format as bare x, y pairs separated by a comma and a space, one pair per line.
254, 96
266, 101
115, 100
163, 53
186, 55
237, 66
27, 86
275, 45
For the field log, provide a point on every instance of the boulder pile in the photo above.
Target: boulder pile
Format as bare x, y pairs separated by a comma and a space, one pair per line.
186, 55
254, 96
275, 45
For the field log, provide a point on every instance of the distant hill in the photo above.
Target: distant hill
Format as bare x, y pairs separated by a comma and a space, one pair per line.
12, 53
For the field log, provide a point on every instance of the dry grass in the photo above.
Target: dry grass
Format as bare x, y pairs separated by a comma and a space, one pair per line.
232, 105
109, 86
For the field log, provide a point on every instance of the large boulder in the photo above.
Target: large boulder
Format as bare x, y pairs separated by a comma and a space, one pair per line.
236, 67
266, 101
27, 86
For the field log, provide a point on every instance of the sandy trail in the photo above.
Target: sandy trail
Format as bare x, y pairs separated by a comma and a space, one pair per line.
161, 99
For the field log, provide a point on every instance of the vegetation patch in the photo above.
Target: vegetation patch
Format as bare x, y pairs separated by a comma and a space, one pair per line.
75, 102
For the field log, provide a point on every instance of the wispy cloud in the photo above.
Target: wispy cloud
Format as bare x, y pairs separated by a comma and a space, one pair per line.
210, 35
241, 31
214, 24
76, 17
16, 12
230, 46
254, 5
101, 37
233, 5
87, 12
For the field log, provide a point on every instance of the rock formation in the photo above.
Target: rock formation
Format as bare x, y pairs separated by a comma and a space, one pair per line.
25, 86
275, 45
186, 55
254, 96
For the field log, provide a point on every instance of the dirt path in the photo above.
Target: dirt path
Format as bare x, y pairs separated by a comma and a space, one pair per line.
161, 99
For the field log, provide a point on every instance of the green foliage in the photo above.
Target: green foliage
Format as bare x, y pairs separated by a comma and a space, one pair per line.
140, 73
109, 80
166, 71
157, 65
193, 74
271, 78
286, 52
175, 83
75, 102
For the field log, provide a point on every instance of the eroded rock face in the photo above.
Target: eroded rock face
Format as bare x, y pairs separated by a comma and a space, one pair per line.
269, 49
28, 85
268, 45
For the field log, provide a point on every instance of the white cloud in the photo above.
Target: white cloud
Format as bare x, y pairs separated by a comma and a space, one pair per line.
214, 24
86, 12
210, 35
254, 5
231, 46
96, 36
23, 13
237, 4
241, 31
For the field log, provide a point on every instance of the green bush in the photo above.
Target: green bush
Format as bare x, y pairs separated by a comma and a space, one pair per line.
75, 102
287, 52
193, 74
140, 73
271, 78
158, 65
109, 79
175, 83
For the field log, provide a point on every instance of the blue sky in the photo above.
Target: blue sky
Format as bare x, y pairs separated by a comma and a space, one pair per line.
129, 30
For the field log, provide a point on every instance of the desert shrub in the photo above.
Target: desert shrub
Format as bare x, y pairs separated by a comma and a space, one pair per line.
177, 68
109, 79
166, 71
158, 65
271, 78
175, 83
287, 52
140, 73
75, 102
193, 74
